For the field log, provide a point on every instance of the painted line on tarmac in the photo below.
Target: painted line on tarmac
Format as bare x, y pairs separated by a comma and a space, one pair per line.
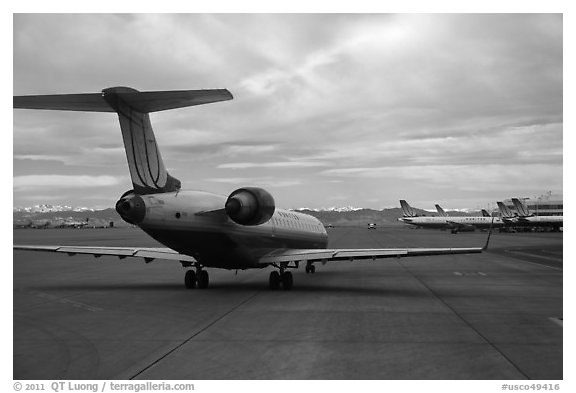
189, 339
527, 254
61, 300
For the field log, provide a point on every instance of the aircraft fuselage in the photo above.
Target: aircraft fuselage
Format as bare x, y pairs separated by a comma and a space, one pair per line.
194, 223
449, 222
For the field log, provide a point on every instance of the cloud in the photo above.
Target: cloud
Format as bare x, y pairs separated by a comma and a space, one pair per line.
257, 182
320, 98
32, 182
282, 164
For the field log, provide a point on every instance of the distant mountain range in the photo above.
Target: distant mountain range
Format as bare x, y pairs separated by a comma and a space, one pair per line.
70, 217
50, 209
331, 209
46, 216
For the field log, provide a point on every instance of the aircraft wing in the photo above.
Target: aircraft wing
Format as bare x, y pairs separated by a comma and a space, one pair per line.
277, 256
329, 255
149, 254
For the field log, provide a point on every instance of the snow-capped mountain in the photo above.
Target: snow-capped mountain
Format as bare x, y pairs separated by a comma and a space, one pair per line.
333, 209
45, 208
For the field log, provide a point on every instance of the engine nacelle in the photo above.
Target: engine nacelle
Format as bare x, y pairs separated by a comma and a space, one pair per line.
131, 207
250, 206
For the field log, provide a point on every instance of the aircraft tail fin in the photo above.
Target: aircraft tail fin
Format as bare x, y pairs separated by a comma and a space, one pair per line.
441, 211
407, 210
132, 106
522, 209
504, 210
485, 213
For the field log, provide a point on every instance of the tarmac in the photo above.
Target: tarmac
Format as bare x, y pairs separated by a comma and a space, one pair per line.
495, 315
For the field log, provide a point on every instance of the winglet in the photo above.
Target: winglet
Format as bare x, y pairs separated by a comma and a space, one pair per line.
489, 234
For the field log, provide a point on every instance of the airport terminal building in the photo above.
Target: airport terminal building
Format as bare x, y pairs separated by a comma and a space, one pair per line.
545, 205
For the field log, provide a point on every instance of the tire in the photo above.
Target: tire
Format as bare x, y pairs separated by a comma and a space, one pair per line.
190, 279
274, 281
312, 269
203, 279
287, 281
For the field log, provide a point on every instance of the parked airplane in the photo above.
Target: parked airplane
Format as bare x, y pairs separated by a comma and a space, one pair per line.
242, 231
528, 218
455, 224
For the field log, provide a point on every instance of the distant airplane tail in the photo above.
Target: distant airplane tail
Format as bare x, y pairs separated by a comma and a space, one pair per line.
522, 209
441, 211
505, 210
407, 210
485, 213
147, 169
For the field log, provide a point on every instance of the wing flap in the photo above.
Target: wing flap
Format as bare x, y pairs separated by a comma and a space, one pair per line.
328, 255
148, 254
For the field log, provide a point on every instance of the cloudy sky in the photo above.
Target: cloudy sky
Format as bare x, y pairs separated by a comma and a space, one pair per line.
328, 110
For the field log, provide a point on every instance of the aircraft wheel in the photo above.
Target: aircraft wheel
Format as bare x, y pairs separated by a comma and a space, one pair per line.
274, 280
312, 269
190, 279
287, 281
203, 279
307, 269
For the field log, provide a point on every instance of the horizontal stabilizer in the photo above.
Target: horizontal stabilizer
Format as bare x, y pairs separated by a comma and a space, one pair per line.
143, 102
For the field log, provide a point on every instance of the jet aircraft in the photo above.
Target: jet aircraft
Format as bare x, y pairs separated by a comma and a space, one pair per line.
455, 224
200, 230
528, 218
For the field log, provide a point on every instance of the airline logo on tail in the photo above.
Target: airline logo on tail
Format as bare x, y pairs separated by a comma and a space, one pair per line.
407, 210
522, 209
505, 211
441, 211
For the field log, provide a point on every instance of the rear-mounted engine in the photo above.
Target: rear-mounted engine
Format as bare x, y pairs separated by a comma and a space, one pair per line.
131, 207
250, 206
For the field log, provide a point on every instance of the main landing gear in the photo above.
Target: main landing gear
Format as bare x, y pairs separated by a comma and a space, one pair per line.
198, 277
282, 277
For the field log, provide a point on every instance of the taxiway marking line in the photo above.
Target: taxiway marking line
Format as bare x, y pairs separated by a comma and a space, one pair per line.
527, 254
194, 335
